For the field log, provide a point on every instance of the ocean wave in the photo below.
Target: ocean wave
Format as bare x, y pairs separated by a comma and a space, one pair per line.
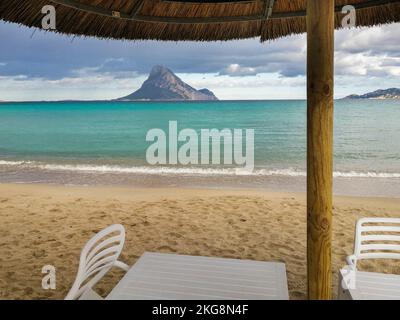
154, 170
370, 174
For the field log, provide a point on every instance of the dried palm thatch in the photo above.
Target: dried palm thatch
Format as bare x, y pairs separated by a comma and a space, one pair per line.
203, 20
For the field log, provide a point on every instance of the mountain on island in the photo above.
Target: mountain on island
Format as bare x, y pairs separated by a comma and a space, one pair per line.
392, 93
162, 84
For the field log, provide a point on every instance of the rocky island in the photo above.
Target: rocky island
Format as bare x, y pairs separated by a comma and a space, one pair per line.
163, 85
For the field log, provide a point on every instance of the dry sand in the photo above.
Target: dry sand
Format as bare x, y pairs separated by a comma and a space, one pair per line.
42, 225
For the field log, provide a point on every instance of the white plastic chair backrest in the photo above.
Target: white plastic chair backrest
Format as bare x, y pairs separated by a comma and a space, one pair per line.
377, 238
97, 258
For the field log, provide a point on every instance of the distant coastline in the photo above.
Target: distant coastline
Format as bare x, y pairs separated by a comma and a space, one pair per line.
150, 101
154, 101
381, 94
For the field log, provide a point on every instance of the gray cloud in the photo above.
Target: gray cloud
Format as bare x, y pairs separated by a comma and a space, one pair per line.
53, 58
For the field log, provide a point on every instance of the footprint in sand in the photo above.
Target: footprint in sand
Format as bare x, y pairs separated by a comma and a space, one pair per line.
28, 291
176, 235
172, 242
39, 253
165, 248
56, 244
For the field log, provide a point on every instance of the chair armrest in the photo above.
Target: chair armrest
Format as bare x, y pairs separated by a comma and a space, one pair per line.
352, 260
121, 265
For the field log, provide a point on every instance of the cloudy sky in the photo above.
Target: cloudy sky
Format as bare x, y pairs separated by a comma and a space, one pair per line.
46, 66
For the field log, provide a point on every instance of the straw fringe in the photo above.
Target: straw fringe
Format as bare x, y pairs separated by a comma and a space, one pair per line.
75, 22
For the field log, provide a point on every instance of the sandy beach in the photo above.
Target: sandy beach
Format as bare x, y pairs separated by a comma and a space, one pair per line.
44, 224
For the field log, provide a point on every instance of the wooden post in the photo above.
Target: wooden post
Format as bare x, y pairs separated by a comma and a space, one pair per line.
320, 73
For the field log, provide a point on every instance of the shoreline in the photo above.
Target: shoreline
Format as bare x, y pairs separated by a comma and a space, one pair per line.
182, 190
107, 145
371, 187
49, 224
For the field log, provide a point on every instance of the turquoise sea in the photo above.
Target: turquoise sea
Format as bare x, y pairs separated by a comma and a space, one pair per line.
105, 143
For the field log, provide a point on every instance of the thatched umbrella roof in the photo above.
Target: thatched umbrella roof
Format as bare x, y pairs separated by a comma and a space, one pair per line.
200, 20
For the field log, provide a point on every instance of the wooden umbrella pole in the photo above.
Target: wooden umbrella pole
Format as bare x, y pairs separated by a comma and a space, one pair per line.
320, 74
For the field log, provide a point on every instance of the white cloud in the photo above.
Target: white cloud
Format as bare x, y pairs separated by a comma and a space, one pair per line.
105, 69
381, 40
363, 64
89, 87
235, 70
261, 86
368, 52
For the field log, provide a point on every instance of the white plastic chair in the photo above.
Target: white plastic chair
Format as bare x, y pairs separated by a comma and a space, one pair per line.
99, 255
375, 238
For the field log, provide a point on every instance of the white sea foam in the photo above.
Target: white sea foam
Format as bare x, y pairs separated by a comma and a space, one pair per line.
153, 170
14, 163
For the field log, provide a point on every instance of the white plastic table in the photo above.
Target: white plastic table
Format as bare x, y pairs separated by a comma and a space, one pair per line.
373, 286
158, 276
